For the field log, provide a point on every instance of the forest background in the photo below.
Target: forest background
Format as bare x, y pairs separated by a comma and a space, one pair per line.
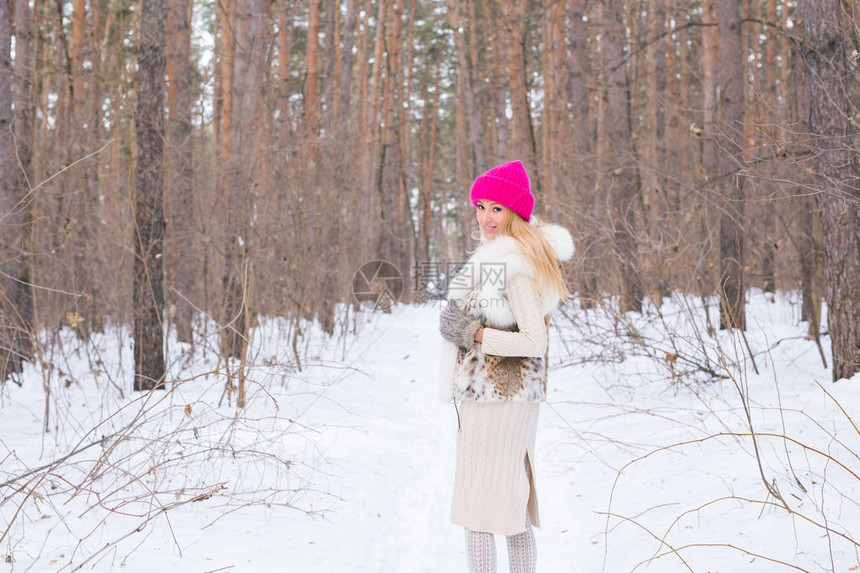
702, 147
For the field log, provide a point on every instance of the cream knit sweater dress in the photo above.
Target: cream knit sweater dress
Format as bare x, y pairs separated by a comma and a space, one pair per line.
492, 491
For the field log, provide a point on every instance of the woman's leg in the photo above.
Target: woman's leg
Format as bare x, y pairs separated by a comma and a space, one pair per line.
480, 552
522, 550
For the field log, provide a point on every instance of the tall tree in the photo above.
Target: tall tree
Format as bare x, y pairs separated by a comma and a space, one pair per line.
708, 175
618, 163
515, 24
577, 69
553, 32
579, 176
10, 361
83, 181
244, 172
497, 148
462, 172
77, 46
730, 124
396, 232
312, 86
826, 49
772, 143
427, 166
652, 167
180, 230
473, 107
810, 246
23, 131
347, 62
332, 64
148, 296
285, 52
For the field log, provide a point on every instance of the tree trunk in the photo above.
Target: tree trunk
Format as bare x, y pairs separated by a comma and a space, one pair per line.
582, 145
331, 63
361, 75
312, 90
552, 126
218, 87
180, 231
826, 50
428, 163
515, 25
404, 110
10, 360
577, 82
619, 165
730, 122
474, 109
498, 92
810, 248
148, 192
396, 232
76, 51
250, 60
85, 249
21, 291
224, 79
465, 216
710, 170
653, 147
285, 50
769, 185
372, 128
347, 62
811, 263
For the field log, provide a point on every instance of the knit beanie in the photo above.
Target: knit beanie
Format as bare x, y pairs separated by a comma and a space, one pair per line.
508, 185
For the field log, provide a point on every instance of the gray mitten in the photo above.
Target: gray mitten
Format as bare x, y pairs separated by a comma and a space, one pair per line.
457, 326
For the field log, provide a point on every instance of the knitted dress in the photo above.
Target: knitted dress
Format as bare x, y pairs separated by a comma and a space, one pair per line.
491, 488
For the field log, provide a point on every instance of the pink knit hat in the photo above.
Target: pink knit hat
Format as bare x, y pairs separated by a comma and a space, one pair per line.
508, 185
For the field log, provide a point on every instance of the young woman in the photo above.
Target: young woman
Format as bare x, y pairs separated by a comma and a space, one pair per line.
495, 324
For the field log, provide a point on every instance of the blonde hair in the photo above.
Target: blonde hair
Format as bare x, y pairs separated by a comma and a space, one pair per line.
538, 251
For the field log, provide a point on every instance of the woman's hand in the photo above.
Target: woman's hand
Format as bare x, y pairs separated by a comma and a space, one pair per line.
457, 326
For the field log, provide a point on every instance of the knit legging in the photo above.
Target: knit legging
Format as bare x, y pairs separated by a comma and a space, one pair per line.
481, 551
522, 551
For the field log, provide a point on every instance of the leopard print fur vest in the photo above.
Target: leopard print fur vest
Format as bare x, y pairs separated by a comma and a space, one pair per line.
480, 288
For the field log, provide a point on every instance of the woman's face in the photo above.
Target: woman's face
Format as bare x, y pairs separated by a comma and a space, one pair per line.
491, 216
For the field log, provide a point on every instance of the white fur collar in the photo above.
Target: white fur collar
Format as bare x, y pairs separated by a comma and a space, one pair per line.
560, 240
483, 278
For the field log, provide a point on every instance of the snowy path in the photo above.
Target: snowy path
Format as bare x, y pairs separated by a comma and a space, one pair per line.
394, 452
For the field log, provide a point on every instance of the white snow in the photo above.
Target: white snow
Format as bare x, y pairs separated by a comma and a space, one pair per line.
644, 462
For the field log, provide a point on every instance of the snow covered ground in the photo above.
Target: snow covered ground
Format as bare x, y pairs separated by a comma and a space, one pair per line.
646, 457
